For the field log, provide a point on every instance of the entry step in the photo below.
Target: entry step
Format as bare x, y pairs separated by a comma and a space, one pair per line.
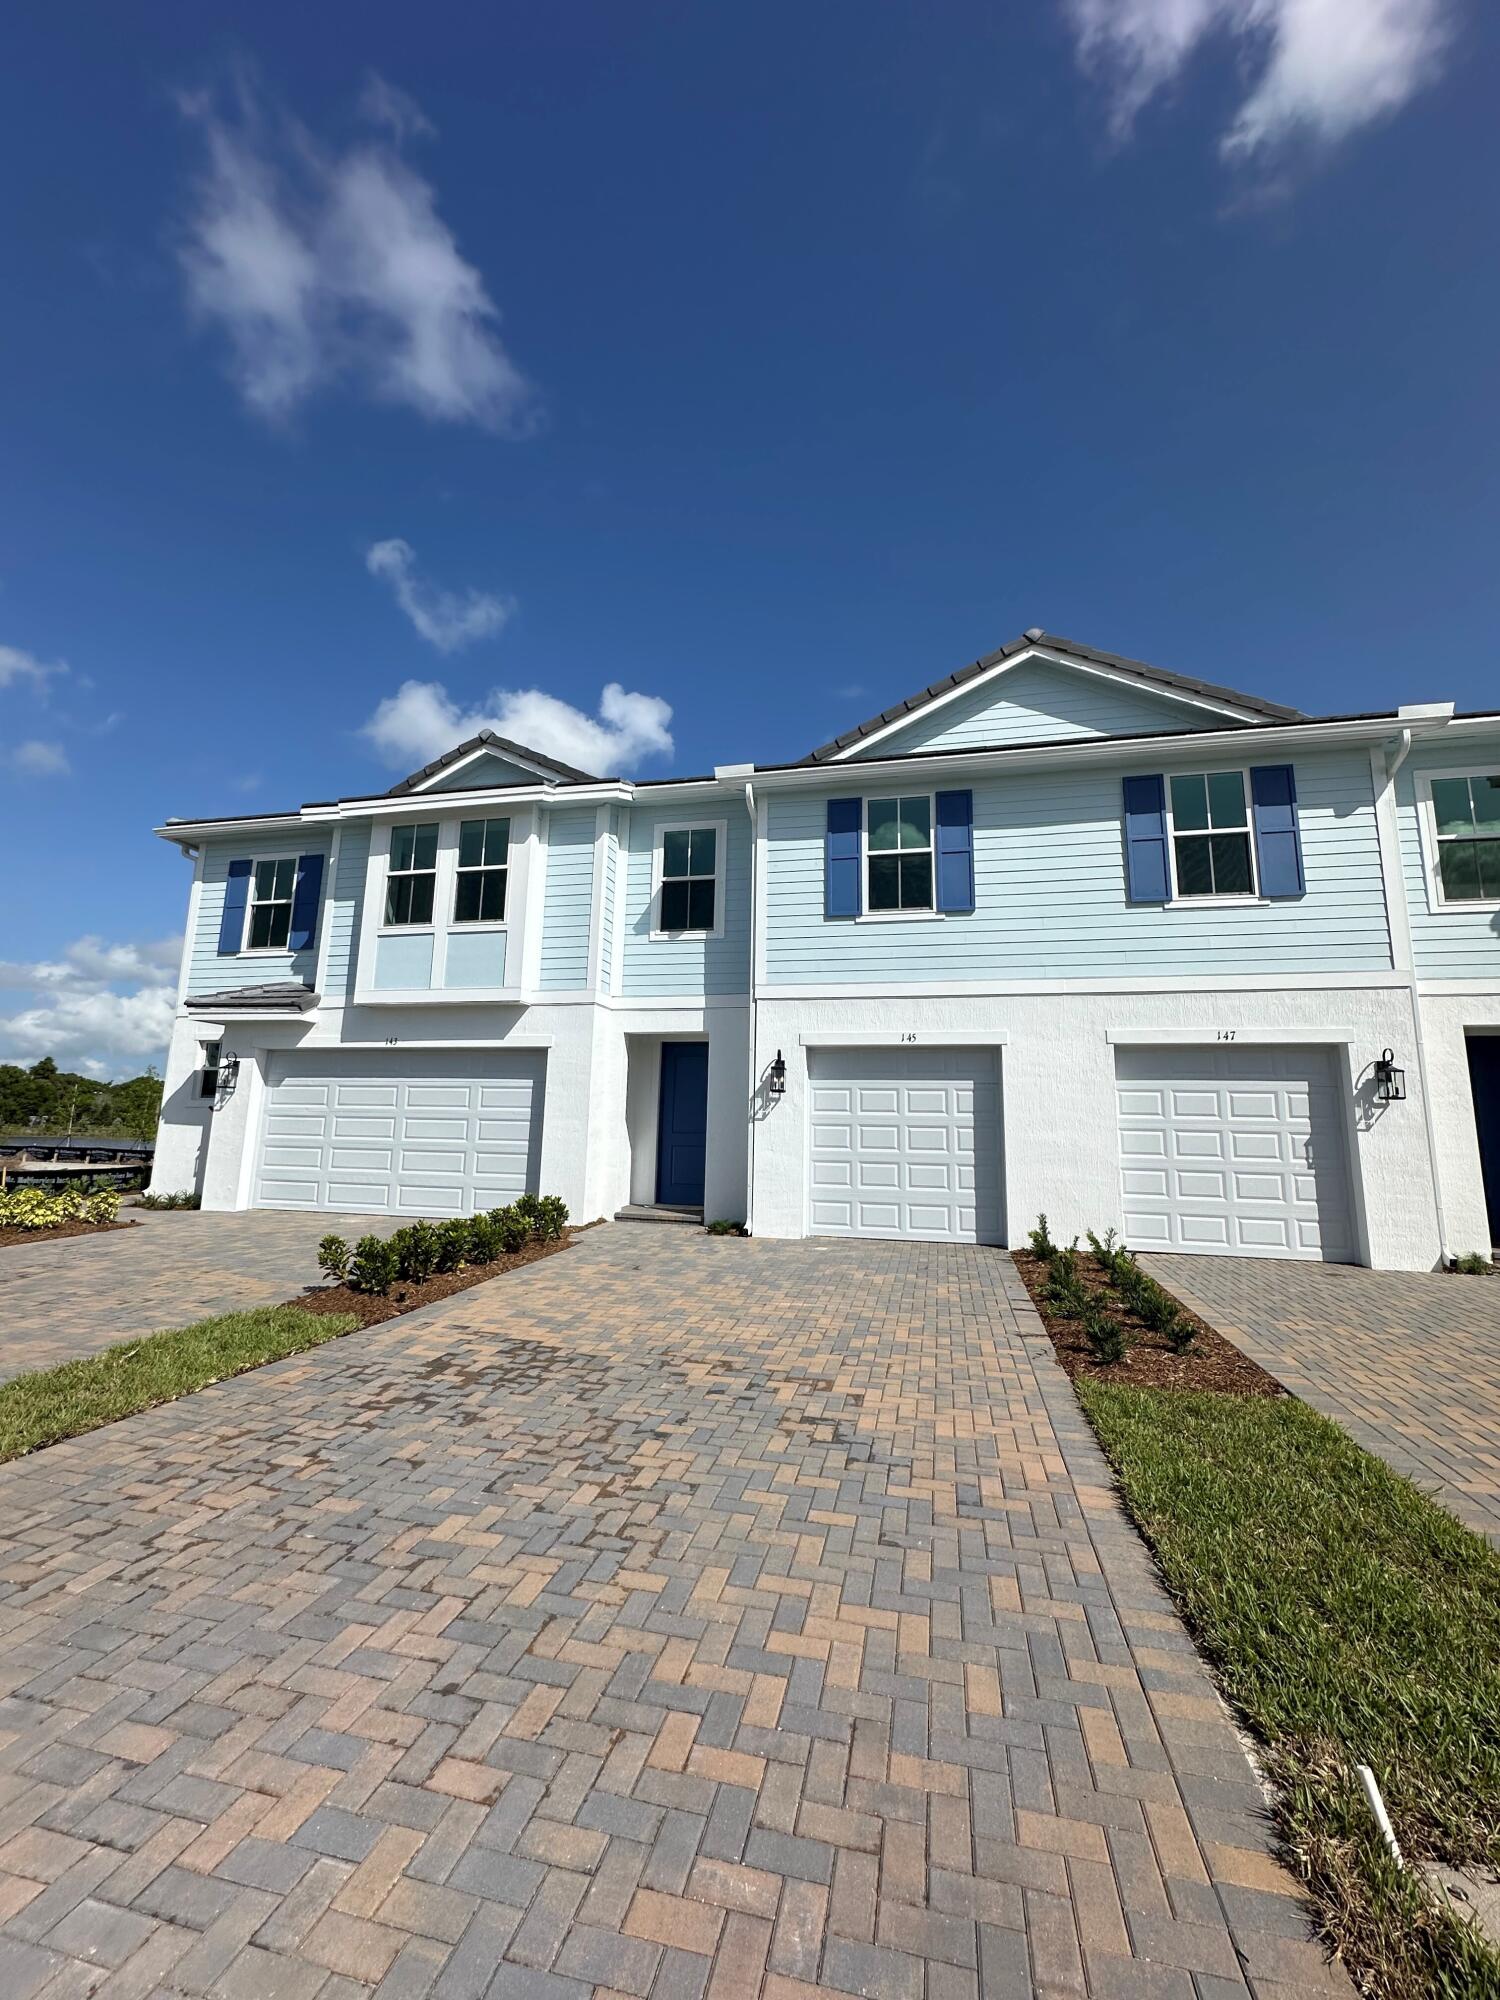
659, 1211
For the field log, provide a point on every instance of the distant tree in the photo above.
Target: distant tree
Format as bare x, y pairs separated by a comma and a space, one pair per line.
137, 1105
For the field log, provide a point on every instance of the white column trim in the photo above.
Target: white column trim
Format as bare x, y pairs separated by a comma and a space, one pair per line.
1392, 879
596, 898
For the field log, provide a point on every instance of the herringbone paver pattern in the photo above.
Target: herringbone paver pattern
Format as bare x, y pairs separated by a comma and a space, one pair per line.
78, 1294
1407, 1361
673, 1617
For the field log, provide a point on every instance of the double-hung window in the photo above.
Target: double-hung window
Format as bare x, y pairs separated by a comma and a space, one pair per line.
898, 853
412, 874
689, 879
1466, 821
269, 918
208, 1076
1211, 846
482, 872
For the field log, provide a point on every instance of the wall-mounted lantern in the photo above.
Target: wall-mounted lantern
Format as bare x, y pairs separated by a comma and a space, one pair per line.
777, 1080
229, 1069
1390, 1082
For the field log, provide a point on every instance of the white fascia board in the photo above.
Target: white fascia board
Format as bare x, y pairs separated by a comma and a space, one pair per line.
892, 1038
1202, 1038
1053, 657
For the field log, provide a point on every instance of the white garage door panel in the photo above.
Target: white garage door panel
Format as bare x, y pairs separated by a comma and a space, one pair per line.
431, 1132
1237, 1150
905, 1143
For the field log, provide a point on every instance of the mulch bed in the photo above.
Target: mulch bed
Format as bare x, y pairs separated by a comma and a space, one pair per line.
13, 1238
405, 1296
1214, 1363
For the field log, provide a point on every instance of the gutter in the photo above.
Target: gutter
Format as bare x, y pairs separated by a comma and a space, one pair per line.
754, 1022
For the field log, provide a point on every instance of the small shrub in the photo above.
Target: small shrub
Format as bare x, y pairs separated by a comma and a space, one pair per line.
333, 1259
552, 1217
1473, 1265
455, 1244
722, 1226
35, 1208
514, 1229
529, 1208
485, 1240
1041, 1241
1106, 1337
183, 1198
416, 1248
372, 1268
101, 1205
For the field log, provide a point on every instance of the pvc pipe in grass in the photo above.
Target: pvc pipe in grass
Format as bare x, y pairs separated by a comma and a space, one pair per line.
1377, 1806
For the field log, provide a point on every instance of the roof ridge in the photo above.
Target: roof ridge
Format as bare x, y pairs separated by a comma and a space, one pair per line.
489, 739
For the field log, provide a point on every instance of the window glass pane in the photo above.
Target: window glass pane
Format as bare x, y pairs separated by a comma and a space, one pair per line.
497, 842
281, 925
674, 906
674, 853
466, 898
916, 823
260, 926
1189, 805
703, 839
884, 815
421, 899
265, 881
397, 898
1226, 799
885, 882
701, 905
492, 895
401, 846
1450, 805
471, 843
1195, 875
426, 847
1460, 865
1231, 863
1486, 793
916, 881
1489, 869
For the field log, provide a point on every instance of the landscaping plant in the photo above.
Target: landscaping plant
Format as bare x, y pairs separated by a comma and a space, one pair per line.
529, 1208
1473, 1265
1107, 1339
417, 1248
333, 1258
515, 1230
372, 1268
1041, 1241
183, 1198
35, 1208
552, 1218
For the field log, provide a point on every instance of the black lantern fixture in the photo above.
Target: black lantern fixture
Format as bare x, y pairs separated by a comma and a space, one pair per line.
777, 1080
229, 1069
1390, 1082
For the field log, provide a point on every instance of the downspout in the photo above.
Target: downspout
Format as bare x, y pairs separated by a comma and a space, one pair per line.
754, 1024
1394, 759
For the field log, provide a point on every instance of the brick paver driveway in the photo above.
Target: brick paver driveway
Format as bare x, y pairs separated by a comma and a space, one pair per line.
675, 1616
1407, 1361
77, 1294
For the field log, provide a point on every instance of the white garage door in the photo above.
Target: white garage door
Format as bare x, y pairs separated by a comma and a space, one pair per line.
905, 1142
430, 1132
1238, 1151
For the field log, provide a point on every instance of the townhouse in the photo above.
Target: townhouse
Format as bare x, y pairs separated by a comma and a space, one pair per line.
1061, 932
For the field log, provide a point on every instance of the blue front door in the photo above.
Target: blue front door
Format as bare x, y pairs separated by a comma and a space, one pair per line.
1484, 1079
682, 1136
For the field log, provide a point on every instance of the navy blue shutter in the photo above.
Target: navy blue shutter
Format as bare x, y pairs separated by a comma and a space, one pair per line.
305, 902
955, 850
841, 897
1278, 844
232, 916
1146, 870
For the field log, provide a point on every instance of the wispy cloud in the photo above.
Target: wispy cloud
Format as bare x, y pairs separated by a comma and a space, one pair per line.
17, 667
421, 720
446, 619
322, 266
1320, 69
36, 759
103, 1008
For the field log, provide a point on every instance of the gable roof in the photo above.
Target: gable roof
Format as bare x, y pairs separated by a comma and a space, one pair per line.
1256, 709
488, 740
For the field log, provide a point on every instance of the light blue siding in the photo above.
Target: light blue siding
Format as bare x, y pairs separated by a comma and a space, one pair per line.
1451, 943
683, 965
1039, 703
208, 973
487, 770
475, 958
568, 896
1050, 894
342, 915
403, 962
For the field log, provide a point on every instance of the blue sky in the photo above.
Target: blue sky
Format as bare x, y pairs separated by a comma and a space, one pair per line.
761, 364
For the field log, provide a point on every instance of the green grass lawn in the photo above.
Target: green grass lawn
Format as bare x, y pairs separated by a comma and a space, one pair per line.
78, 1396
1350, 1620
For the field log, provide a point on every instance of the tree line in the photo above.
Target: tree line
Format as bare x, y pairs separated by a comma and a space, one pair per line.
48, 1102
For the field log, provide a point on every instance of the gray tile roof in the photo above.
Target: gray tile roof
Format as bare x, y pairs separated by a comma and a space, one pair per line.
488, 740
1256, 708
286, 996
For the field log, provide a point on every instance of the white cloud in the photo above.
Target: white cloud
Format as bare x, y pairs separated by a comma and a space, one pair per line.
81, 1017
35, 759
321, 266
444, 618
1320, 68
421, 720
16, 666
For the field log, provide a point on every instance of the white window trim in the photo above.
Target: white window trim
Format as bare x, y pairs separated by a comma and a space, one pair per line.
248, 950
205, 1070
478, 927
921, 914
386, 929
1437, 903
720, 830
1250, 898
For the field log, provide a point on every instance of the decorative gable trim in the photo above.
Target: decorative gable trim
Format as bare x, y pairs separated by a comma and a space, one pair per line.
1058, 652
548, 769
